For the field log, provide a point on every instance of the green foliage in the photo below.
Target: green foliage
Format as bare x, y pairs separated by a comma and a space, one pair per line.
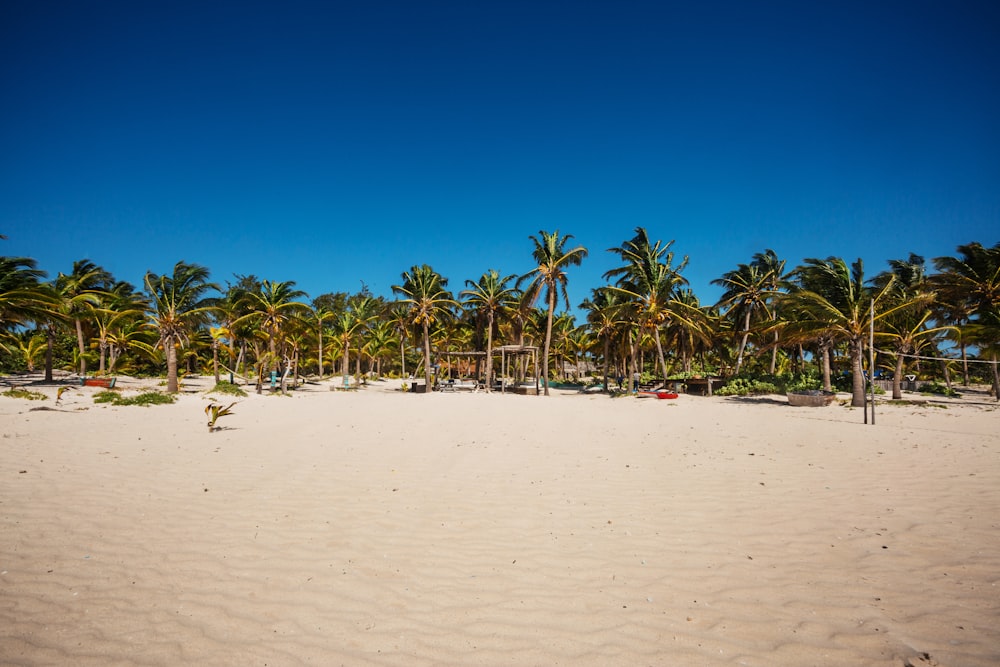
938, 389
145, 399
750, 384
802, 382
24, 393
229, 388
107, 396
741, 386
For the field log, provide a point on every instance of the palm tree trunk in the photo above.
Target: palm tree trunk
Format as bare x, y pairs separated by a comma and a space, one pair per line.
825, 366
215, 360
104, 354
402, 356
548, 338
897, 379
607, 355
743, 343
633, 360
427, 355
996, 378
50, 341
858, 399
965, 365
489, 352
320, 357
774, 353
659, 349
79, 342
171, 354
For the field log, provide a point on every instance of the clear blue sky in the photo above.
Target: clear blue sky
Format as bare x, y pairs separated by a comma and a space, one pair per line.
333, 142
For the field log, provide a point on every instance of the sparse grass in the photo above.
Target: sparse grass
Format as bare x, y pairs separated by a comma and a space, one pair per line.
25, 393
225, 387
938, 389
106, 396
145, 399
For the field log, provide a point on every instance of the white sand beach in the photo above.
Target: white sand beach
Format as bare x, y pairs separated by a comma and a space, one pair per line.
384, 528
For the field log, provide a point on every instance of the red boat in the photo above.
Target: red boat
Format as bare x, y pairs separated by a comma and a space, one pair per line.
659, 394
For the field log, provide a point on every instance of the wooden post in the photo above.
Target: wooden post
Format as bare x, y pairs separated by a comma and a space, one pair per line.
871, 355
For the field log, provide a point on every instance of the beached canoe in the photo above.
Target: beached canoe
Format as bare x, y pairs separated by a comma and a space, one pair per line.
659, 394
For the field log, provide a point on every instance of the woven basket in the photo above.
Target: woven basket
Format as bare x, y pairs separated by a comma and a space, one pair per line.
814, 398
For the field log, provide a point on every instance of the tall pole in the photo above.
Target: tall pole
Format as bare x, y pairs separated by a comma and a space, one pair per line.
871, 355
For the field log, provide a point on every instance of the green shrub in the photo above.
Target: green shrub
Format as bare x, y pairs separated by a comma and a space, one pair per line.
939, 389
145, 399
803, 382
24, 393
741, 386
225, 387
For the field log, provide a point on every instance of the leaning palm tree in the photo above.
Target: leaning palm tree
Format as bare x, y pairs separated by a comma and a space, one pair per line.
178, 306
747, 292
971, 283
270, 309
650, 283
117, 306
549, 277
429, 301
832, 303
80, 291
604, 317
774, 268
490, 297
23, 298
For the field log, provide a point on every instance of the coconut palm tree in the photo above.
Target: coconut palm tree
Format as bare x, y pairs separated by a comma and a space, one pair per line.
832, 303
549, 278
320, 315
776, 282
604, 316
429, 301
270, 309
23, 298
380, 343
366, 309
747, 291
399, 316
971, 282
178, 306
118, 305
80, 292
345, 327
490, 297
650, 283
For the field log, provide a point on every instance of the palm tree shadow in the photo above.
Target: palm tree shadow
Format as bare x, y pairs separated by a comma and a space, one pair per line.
757, 400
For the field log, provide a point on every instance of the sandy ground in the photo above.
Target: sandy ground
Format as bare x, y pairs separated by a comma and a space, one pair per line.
383, 528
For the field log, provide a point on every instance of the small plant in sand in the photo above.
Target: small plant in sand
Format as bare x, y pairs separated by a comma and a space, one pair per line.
59, 393
24, 393
215, 411
107, 396
229, 388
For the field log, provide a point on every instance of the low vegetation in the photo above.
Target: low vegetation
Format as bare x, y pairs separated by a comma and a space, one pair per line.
144, 399
26, 394
939, 389
224, 387
759, 384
